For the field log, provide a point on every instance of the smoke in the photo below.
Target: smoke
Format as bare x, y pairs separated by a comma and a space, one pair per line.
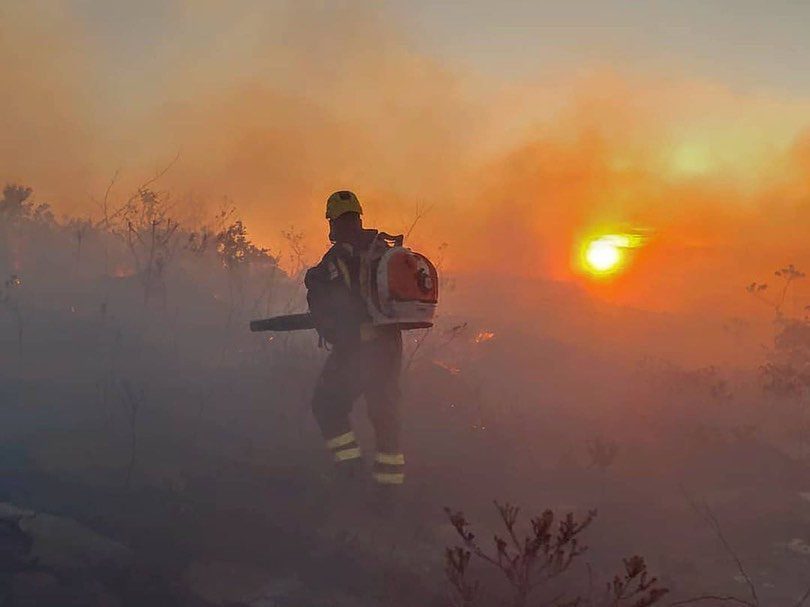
715, 178
275, 106
46, 107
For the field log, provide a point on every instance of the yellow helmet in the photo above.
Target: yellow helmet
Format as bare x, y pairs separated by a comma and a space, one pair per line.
342, 202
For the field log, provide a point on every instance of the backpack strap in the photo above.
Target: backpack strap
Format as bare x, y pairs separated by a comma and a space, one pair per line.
369, 261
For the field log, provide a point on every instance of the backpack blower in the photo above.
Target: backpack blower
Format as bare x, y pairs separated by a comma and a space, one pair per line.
400, 288
288, 322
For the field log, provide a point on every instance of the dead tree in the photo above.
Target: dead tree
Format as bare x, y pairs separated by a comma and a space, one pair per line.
151, 235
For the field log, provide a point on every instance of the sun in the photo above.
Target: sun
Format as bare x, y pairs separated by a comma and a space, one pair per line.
602, 256
606, 254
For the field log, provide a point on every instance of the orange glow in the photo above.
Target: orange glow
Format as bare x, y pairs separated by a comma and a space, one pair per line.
484, 336
518, 175
122, 271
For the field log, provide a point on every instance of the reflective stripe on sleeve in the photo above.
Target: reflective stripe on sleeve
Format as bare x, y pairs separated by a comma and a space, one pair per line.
389, 478
344, 269
333, 271
390, 459
340, 441
343, 455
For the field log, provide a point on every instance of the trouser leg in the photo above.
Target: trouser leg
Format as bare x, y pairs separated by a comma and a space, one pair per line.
383, 399
332, 402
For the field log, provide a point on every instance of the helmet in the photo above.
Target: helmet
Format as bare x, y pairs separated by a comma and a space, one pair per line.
342, 202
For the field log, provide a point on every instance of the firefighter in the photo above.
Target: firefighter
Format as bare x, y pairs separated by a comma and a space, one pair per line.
364, 360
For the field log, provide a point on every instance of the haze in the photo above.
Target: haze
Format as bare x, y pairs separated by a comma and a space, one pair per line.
527, 121
505, 139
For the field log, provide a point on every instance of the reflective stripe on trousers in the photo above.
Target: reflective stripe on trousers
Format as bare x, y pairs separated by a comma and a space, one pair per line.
388, 468
344, 447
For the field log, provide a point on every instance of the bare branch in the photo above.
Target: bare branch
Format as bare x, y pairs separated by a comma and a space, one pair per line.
420, 213
161, 173
708, 515
420, 341
105, 202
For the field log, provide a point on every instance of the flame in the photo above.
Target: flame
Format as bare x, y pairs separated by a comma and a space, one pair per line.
484, 336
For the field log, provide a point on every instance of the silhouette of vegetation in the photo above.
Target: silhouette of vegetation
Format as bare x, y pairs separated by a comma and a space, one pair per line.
151, 235
530, 562
133, 399
12, 304
16, 206
234, 248
785, 374
789, 274
602, 453
705, 512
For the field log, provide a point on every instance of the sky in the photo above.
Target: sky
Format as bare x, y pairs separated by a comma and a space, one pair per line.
518, 130
750, 44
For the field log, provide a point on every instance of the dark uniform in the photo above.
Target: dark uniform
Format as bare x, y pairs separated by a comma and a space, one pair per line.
364, 361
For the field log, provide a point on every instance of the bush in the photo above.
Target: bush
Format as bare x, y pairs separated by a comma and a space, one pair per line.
532, 562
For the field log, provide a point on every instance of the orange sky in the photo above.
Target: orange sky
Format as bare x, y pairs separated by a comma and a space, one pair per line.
515, 171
